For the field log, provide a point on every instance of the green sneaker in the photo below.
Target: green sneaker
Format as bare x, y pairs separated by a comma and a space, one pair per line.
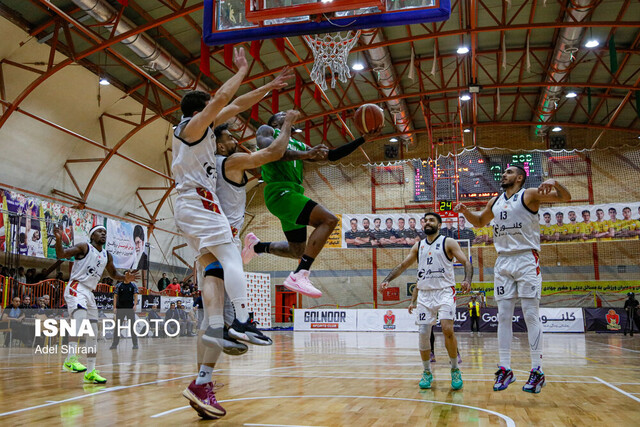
425, 382
93, 377
72, 365
456, 379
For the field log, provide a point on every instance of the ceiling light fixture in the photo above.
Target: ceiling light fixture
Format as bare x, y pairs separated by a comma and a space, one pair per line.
556, 129
462, 50
465, 97
467, 130
357, 66
571, 94
592, 43
104, 82
393, 140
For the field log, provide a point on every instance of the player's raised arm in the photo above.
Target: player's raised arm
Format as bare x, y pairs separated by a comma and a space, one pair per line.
550, 191
408, 261
273, 151
453, 250
197, 126
248, 100
73, 251
477, 219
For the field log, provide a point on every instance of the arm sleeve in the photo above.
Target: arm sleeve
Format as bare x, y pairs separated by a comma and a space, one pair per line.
345, 150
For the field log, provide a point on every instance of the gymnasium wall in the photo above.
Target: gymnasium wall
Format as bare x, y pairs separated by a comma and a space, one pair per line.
346, 277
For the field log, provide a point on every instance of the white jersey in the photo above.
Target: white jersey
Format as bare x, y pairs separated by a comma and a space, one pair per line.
515, 226
232, 196
88, 270
194, 163
435, 268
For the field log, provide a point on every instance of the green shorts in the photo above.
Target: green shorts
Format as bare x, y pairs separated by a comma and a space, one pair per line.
286, 201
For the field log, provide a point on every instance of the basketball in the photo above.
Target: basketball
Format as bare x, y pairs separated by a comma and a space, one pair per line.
368, 118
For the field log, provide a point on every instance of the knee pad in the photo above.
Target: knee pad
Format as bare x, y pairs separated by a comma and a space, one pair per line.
214, 270
424, 333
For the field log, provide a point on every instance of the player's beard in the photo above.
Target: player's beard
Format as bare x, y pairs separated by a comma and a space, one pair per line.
429, 230
506, 185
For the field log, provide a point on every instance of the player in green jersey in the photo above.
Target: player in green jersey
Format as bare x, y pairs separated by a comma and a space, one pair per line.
284, 197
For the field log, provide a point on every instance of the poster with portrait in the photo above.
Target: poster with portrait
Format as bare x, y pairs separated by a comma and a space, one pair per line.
23, 227
126, 243
62, 216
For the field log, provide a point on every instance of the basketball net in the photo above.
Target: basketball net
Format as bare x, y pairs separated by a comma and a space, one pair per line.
331, 50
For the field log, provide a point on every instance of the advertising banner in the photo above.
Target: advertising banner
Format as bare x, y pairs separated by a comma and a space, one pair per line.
561, 319
558, 224
398, 320
605, 319
165, 302
330, 319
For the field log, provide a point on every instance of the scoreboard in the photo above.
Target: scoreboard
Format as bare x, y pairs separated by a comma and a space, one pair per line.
479, 175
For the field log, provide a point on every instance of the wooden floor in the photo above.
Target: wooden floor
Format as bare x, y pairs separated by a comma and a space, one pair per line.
332, 379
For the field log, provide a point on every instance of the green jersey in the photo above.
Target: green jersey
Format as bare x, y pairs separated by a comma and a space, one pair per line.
285, 171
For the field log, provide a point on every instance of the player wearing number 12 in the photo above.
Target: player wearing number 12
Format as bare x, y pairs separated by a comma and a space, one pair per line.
516, 237
435, 293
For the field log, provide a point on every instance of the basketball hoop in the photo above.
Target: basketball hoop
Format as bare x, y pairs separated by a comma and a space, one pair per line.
331, 50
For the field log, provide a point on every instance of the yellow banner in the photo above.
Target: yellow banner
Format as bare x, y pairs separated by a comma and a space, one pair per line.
335, 238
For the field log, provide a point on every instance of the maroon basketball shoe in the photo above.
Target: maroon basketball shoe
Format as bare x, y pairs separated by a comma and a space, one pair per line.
204, 398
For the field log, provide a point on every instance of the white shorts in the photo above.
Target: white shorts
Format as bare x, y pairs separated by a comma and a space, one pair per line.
201, 221
436, 304
517, 276
78, 297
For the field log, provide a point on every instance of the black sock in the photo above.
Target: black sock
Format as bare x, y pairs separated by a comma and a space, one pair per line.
305, 263
261, 247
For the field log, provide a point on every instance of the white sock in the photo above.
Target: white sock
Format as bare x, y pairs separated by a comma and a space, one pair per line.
530, 310
229, 312
204, 376
235, 282
216, 321
91, 364
73, 350
505, 331
426, 364
454, 362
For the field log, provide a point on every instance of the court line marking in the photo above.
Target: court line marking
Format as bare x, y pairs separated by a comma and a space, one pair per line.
278, 425
107, 390
613, 346
637, 399
506, 419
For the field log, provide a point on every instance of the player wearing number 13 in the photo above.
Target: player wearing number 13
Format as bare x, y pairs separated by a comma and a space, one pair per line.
516, 237
435, 292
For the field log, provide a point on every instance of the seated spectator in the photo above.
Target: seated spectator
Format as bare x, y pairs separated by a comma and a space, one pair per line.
174, 286
153, 313
172, 313
27, 307
186, 321
44, 311
186, 290
14, 316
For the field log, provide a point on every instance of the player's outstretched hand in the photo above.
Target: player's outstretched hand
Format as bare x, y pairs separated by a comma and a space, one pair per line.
547, 186
373, 134
56, 232
460, 207
466, 287
384, 285
292, 116
319, 152
131, 276
410, 308
281, 81
239, 59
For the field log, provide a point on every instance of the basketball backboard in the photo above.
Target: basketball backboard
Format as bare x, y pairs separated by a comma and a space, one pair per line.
234, 21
